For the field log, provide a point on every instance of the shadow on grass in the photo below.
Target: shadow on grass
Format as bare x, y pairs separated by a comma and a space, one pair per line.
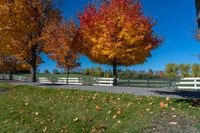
193, 102
181, 93
3, 90
192, 97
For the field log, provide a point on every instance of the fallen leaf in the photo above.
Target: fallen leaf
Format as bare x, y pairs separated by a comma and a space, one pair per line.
26, 104
109, 112
167, 98
93, 130
76, 119
114, 116
36, 113
119, 122
45, 129
174, 116
163, 105
173, 123
150, 113
118, 113
172, 108
147, 109
93, 98
98, 108
150, 103
141, 113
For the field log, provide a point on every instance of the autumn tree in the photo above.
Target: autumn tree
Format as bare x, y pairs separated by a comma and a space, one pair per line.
116, 33
61, 49
9, 63
11, 24
31, 18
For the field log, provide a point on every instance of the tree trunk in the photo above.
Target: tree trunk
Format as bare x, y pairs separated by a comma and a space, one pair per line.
33, 72
10, 75
33, 65
115, 74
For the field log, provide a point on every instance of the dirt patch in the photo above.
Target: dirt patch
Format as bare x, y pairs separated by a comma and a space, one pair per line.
170, 124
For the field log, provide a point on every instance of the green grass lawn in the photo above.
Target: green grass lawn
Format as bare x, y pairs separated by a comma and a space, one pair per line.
33, 109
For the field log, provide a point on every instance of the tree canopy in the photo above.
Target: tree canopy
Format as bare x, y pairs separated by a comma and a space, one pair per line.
116, 33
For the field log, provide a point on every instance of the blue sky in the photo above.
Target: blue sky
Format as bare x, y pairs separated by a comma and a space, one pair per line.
176, 23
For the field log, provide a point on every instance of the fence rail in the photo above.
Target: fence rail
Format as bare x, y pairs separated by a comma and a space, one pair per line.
147, 82
98, 81
189, 83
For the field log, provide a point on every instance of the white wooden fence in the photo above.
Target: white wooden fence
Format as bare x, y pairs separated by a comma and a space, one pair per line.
18, 78
44, 80
70, 81
189, 83
4, 77
21, 78
103, 81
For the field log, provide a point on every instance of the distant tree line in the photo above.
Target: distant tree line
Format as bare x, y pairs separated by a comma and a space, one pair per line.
173, 70
99, 72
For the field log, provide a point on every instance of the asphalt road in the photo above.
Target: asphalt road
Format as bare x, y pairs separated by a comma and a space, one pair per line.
161, 92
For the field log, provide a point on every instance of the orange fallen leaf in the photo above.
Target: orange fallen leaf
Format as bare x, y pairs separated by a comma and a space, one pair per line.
118, 113
163, 105
98, 108
172, 108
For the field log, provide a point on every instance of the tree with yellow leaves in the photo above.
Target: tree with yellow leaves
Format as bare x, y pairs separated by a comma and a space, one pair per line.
116, 33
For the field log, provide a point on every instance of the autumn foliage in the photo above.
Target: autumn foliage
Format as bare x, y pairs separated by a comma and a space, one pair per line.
116, 33
32, 27
60, 48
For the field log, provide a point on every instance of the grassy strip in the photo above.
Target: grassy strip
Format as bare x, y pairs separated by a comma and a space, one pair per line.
33, 109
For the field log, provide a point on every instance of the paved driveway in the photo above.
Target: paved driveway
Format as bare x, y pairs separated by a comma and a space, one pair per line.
161, 92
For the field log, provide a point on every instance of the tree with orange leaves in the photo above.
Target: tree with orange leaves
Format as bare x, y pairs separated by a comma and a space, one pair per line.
61, 49
116, 33
15, 21
31, 44
9, 63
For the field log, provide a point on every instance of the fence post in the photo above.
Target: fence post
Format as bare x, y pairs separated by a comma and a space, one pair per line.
170, 83
195, 83
148, 83
128, 82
